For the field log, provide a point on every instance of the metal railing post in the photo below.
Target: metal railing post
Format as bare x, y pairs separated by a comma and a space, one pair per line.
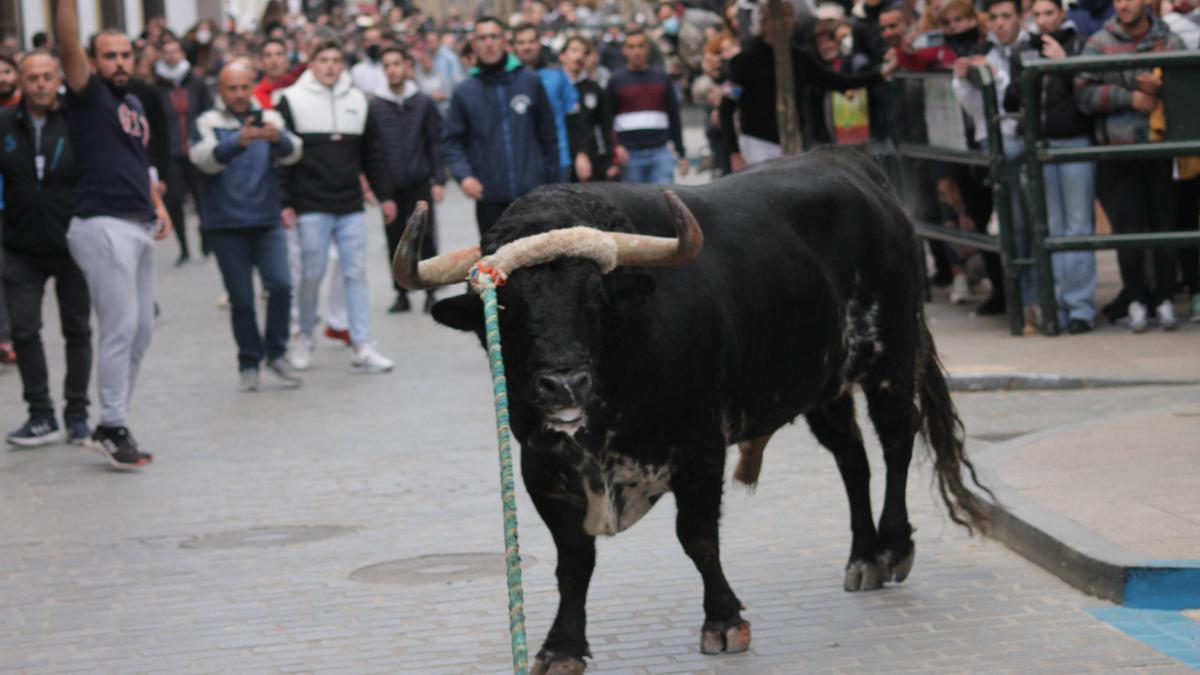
1002, 195
1043, 267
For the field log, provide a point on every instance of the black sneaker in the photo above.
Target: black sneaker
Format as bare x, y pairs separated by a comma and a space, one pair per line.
400, 305
36, 431
117, 446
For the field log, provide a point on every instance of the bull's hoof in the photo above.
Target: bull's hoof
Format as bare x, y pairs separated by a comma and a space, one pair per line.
862, 575
897, 570
553, 663
729, 637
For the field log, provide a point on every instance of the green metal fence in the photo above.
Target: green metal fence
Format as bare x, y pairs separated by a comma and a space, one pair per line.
1181, 100
911, 139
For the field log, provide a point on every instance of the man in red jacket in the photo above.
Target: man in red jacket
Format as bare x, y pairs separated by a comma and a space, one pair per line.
277, 74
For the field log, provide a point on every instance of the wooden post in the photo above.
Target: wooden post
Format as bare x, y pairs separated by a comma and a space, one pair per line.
785, 90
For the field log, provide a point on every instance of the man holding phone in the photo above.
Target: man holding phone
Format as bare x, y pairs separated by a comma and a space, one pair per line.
118, 217
236, 147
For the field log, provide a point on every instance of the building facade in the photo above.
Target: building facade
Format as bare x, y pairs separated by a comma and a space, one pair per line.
24, 18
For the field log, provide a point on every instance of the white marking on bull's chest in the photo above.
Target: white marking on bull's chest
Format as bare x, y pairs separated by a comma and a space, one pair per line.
629, 490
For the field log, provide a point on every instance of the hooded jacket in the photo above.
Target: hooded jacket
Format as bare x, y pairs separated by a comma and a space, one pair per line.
239, 186
1109, 95
501, 131
1089, 16
409, 129
332, 123
38, 209
1061, 116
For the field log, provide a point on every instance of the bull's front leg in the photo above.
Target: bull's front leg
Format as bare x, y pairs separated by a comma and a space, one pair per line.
698, 484
565, 646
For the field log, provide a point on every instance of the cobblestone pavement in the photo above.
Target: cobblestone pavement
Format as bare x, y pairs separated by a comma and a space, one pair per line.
234, 551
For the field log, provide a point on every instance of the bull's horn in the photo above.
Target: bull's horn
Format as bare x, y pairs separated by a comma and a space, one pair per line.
415, 274
640, 249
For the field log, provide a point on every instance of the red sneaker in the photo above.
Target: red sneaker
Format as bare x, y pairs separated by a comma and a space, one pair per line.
343, 335
7, 355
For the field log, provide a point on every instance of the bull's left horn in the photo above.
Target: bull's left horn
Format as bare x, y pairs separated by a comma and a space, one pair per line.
415, 274
641, 249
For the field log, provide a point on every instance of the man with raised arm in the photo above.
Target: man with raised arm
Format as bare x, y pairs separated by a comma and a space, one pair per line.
118, 216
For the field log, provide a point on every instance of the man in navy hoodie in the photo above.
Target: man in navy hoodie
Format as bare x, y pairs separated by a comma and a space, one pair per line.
236, 148
500, 139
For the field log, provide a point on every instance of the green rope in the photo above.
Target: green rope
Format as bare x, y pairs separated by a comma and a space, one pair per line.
485, 285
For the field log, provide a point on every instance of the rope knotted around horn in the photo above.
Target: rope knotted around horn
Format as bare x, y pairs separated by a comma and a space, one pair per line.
607, 249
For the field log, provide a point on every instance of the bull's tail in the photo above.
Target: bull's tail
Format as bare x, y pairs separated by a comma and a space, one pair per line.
944, 436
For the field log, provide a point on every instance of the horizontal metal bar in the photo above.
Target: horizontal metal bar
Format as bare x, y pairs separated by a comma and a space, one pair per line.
916, 151
926, 75
980, 241
1111, 241
1098, 153
1117, 62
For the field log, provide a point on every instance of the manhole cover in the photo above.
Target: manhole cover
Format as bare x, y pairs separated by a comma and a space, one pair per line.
438, 568
264, 537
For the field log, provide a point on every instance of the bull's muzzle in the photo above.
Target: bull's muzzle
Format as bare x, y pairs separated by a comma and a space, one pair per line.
608, 249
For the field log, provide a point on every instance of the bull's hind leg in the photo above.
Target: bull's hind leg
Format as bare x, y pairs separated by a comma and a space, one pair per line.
896, 421
565, 646
835, 427
697, 487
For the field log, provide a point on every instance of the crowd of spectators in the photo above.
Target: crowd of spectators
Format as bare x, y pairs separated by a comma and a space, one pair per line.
278, 127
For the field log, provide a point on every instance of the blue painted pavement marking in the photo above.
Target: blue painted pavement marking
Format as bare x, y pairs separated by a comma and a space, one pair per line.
1171, 633
1163, 584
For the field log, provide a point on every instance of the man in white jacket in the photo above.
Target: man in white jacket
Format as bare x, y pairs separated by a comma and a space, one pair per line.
323, 196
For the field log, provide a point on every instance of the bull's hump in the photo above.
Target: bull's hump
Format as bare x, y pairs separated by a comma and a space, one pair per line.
627, 491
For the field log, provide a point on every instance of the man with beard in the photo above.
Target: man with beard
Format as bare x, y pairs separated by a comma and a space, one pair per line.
118, 216
1137, 194
183, 97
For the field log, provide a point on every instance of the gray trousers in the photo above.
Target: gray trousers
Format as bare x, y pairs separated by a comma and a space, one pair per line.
117, 259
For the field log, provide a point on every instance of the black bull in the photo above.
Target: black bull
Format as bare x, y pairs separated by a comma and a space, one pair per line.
630, 384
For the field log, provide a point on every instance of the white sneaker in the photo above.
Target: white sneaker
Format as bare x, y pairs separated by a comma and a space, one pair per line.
300, 352
367, 360
1137, 317
250, 380
1166, 315
960, 290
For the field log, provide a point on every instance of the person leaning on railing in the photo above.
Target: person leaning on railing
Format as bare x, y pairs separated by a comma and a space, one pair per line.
1136, 194
1070, 188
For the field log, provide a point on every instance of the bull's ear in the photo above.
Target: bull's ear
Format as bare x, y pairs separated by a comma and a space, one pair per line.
629, 290
464, 312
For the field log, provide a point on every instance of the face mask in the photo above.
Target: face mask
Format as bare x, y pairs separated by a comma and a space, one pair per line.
670, 25
373, 52
204, 36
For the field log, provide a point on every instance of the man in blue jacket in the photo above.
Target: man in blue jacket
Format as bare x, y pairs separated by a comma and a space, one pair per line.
564, 99
499, 139
236, 149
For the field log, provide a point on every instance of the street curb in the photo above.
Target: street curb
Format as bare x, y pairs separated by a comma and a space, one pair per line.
972, 382
1075, 554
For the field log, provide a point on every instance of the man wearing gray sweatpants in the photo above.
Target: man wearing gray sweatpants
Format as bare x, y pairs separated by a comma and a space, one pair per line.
118, 215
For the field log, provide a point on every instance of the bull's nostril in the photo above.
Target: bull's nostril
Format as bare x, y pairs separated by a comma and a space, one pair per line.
580, 384
548, 386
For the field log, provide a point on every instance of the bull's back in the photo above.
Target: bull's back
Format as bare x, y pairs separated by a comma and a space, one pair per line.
759, 318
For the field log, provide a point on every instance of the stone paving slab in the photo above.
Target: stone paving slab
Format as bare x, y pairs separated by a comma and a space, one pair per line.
101, 572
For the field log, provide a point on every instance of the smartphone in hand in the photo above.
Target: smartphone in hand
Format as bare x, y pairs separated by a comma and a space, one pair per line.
256, 118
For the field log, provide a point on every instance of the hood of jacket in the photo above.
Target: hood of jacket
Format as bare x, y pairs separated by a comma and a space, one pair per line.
311, 84
385, 92
511, 64
1093, 7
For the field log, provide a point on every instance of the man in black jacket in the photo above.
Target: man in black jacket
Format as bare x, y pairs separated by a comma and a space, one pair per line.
409, 129
183, 97
39, 174
590, 130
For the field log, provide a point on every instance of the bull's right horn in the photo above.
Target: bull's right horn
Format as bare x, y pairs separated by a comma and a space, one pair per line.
641, 249
415, 274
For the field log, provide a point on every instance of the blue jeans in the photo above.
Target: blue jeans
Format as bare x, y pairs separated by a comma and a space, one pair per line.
239, 251
650, 165
1070, 210
349, 233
